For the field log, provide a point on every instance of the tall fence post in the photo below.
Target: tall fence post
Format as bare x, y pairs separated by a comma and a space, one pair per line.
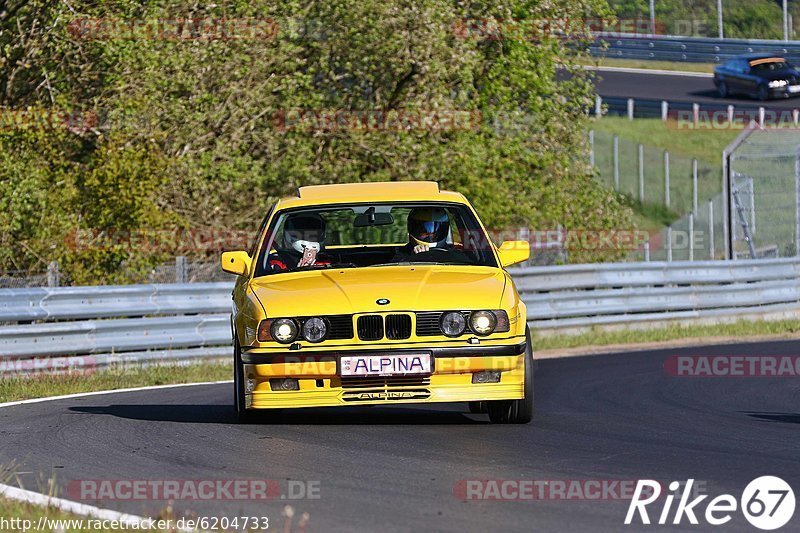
53, 275
616, 162
694, 185
711, 229
669, 243
591, 147
691, 236
641, 173
181, 269
666, 179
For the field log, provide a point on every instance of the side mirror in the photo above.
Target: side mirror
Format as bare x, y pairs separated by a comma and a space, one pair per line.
513, 252
237, 262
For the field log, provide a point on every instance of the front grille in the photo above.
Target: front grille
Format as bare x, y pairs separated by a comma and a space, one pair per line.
370, 327
384, 382
341, 327
398, 326
392, 389
428, 323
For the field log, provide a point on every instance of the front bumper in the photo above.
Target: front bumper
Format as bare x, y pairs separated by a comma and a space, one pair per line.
320, 384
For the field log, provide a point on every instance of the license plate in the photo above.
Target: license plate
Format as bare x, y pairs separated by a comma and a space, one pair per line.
794, 88
385, 365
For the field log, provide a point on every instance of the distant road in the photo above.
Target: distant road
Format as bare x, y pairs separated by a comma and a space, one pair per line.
679, 87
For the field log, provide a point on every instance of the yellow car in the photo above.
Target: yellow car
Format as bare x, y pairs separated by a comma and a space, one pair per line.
379, 294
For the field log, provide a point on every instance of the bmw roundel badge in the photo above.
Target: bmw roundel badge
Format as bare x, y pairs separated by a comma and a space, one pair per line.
381, 301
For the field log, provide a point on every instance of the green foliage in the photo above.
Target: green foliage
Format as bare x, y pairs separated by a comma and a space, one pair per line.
190, 133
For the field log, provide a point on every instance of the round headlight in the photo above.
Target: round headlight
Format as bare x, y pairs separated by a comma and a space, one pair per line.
482, 322
283, 330
453, 324
314, 329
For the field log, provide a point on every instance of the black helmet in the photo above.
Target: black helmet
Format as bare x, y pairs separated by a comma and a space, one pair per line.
304, 231
428, 225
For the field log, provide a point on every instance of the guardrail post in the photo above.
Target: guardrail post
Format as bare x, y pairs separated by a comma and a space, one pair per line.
630, 108
691, 236
647, 251
181, 269
730, 115
795, 116
696, 113
711, 229
666, 179
616, 162
664, 110
694, 185
797, 202
598, 106
669, 243
761, 113
53, 275
591, 147
641, 172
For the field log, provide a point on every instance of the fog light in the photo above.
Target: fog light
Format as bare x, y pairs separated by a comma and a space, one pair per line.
250, 386
284, 384
487, 376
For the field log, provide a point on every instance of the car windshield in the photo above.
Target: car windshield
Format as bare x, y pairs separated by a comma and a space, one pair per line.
369, 235
769, 65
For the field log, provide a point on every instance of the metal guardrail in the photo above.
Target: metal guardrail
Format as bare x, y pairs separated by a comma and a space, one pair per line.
60, 329
689, 49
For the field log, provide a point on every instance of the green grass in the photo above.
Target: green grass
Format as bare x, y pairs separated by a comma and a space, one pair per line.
656, 65
24, 387
703, 333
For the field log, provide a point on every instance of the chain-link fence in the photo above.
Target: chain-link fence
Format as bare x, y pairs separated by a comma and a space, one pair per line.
765, 194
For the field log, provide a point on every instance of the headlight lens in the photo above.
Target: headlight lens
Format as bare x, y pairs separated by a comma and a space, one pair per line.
314, 329
283, 330
778, 83
453, 324
482, 322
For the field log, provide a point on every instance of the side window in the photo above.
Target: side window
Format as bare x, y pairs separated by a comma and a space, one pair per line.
254, 246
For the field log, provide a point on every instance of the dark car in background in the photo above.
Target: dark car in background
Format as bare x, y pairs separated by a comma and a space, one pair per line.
761, 76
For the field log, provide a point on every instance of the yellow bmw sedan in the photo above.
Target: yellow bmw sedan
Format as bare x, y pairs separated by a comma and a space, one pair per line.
379, 294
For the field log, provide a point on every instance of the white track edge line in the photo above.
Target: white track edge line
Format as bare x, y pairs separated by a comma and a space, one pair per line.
75, 508
661, 72
81, 509
112, 391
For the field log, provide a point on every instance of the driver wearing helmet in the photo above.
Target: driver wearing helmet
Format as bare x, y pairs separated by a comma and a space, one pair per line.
428, 228
303, 241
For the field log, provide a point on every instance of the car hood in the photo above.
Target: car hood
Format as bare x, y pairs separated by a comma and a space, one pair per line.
780, 75
357, 290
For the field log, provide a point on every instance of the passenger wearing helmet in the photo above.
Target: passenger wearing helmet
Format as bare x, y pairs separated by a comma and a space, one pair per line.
303, 242
428, 228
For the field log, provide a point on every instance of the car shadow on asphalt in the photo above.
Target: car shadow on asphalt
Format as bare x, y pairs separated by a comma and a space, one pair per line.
344, 416
787, 418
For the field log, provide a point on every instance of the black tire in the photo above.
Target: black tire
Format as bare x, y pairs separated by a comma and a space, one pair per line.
477, 407
763, 93
516, 411
722, 89
243, 415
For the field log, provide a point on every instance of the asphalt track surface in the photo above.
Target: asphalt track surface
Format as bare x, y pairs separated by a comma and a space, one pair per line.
607, 417
675, 88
